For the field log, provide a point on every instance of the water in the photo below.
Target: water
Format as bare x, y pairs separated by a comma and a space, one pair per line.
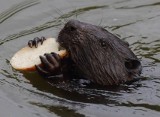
28, 95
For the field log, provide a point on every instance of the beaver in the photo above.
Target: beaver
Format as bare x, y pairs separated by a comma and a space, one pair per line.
93, 52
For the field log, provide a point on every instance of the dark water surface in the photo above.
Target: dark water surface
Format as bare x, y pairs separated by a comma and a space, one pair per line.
28, 95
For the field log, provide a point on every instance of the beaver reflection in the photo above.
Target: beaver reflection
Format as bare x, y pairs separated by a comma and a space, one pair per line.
93, 53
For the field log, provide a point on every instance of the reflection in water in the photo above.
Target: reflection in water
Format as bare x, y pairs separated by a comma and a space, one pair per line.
148, 106
72, 90
77, 97
60, 110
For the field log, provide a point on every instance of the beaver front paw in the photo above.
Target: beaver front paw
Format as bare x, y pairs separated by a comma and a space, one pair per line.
50, 65
35, 41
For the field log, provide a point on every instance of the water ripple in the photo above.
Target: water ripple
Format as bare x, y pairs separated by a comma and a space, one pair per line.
17, 8
56, 22
140, 6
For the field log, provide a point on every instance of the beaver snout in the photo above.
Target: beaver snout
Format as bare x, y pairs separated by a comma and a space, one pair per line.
72, 25
68, 35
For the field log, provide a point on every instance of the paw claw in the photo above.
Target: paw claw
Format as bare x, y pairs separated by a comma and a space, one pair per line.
42, 39
50, 65
30, 43
35, 41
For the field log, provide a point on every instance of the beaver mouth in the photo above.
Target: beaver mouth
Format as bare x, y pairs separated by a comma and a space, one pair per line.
65, 40
62, 47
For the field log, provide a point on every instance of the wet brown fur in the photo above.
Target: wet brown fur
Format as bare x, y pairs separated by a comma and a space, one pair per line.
101, 56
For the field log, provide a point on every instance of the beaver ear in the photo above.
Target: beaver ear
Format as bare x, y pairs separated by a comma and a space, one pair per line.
133, 65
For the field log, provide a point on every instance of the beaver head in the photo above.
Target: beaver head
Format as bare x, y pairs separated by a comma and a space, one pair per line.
99, 55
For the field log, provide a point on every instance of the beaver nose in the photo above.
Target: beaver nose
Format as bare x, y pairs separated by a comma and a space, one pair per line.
72, 25
73, 22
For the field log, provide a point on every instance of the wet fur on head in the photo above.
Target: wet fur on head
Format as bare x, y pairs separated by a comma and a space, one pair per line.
99, 55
